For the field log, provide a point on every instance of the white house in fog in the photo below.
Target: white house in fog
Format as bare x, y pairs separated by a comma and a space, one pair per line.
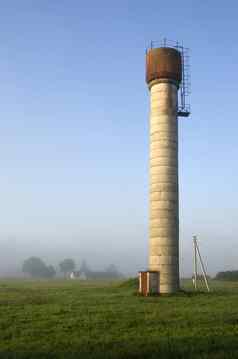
77, 275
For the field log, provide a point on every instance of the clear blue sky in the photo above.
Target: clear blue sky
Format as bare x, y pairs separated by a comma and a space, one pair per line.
74, 126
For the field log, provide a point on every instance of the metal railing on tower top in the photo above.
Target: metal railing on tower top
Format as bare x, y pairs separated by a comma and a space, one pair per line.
184, 108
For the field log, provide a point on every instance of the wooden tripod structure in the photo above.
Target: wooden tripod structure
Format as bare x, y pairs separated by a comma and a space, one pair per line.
197, 256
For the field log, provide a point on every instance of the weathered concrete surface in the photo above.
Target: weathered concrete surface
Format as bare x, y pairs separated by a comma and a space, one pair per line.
164, 218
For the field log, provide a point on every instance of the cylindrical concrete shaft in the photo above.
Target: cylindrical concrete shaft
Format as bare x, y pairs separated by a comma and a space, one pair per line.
164, 218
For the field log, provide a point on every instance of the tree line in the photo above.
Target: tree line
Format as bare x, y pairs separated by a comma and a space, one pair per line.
231, 275
37, 268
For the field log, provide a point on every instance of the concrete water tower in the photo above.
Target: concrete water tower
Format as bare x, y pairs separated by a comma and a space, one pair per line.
167, 79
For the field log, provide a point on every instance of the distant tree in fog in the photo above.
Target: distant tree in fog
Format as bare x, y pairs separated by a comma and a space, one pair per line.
67, 266
113, 270
84, 267
231, 275
36, 268
51, 272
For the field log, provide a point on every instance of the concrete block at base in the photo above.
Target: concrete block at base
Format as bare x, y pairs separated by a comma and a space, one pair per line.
152, 283
169, 288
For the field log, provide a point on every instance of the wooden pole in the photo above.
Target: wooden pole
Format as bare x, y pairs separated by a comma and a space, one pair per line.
202, 266
195, 262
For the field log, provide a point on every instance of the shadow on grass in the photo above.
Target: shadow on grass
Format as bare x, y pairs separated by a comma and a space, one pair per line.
212, 347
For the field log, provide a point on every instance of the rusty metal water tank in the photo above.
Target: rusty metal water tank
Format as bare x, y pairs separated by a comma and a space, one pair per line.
163, 63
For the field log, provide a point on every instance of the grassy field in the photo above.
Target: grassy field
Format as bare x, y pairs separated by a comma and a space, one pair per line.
73, 319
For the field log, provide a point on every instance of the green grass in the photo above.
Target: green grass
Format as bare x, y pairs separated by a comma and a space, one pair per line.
73, 319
